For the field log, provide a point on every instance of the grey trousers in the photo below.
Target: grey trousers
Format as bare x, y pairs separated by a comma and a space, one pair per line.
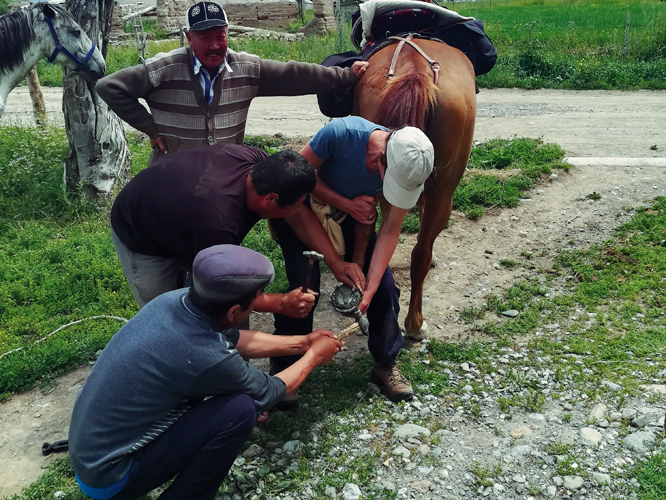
149, 276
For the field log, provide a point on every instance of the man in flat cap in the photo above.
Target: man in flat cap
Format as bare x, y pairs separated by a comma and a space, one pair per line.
200, 95
171, 394
214, 195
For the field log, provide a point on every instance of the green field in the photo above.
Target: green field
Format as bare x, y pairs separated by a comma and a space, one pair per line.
574, 44
571, 44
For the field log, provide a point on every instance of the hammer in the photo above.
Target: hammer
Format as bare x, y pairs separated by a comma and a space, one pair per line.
312, 257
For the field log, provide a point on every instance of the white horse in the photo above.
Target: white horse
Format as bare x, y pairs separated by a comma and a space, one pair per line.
44, 30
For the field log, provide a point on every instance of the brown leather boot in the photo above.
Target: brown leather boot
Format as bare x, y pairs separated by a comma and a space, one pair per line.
396, 386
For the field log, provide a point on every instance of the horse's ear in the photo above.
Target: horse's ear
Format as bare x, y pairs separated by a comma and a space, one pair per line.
48, 11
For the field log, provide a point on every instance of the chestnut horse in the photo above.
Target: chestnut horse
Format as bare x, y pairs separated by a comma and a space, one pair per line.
445, 111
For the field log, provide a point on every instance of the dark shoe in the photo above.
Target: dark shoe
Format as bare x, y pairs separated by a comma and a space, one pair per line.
396, 386
286, 405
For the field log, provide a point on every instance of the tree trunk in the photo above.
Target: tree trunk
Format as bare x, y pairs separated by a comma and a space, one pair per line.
38, 106
98, 157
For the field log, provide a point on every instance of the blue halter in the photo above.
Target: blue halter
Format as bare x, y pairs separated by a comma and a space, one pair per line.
60, 48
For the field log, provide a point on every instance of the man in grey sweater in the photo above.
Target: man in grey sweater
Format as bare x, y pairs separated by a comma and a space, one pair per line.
200, 95
171, 394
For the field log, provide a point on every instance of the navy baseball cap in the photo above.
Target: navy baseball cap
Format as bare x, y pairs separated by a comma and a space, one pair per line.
224, 273
204, 15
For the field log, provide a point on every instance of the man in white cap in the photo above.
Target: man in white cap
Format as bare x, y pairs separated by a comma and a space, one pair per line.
200, 95
171, 394
356, 160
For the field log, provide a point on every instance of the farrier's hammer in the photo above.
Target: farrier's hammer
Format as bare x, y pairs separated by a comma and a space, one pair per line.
312, 257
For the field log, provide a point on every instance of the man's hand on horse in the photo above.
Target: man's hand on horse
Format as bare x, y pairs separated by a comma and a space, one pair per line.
362, 209
359, 68
157, 143
349, 274
297, 304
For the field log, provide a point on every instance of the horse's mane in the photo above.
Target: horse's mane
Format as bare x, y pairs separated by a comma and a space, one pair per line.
407, 102
16, 36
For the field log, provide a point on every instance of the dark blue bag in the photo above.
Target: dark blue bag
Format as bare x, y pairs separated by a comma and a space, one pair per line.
338, 103
470, 39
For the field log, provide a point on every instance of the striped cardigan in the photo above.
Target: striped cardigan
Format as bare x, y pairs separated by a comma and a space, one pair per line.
179, 113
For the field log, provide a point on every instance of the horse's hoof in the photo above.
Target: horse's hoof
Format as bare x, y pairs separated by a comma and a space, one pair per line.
419, 335
433, 262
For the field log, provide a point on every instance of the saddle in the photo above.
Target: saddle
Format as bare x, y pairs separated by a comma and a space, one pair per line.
408, 20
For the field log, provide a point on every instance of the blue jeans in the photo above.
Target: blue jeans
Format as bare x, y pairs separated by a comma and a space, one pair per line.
200, 448
385, 337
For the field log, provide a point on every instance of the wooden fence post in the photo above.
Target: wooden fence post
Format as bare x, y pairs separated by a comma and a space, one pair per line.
626, 38
38, 106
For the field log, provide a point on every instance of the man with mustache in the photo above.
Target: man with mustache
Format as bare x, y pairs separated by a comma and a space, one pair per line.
200, 95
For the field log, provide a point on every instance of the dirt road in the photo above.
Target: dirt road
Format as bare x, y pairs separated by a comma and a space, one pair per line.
609, 136
586, 123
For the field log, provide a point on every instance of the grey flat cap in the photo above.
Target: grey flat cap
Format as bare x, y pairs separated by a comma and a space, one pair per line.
223, 273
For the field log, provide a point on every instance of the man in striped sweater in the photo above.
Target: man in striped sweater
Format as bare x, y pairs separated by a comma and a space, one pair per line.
200, 95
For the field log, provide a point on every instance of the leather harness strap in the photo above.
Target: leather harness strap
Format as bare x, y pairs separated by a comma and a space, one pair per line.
434, 65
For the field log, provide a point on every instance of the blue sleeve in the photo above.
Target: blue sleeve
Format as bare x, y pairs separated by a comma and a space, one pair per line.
325, 142
234, 375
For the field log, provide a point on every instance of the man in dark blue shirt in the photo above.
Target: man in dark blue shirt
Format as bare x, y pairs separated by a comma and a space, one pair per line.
171, 393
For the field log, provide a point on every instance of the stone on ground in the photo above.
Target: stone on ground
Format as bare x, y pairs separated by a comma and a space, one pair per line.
598, 411
590, 437
638, 441
351, 492
520, 432
573, 482
410, 430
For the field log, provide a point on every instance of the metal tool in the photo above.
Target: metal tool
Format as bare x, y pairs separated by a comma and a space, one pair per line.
345, 300
313, 257
57, 447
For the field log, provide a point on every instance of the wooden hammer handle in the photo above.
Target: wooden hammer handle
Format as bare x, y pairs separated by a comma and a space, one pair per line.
351, 329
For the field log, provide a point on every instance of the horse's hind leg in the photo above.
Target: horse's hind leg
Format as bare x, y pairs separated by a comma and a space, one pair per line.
435, 207
433, 259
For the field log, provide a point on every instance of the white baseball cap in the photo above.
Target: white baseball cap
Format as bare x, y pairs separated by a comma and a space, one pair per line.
409, 161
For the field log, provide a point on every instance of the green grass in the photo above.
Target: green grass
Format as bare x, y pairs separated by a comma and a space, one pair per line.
57, 262
574, 44
650, 475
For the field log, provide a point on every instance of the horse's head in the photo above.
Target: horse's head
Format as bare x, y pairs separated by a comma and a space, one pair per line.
71, 47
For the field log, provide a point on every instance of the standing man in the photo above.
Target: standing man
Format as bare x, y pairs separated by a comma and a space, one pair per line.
142, 417
213, 195
200, 95
357, 160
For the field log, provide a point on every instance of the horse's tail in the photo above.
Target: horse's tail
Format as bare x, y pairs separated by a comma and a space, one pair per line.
407, 102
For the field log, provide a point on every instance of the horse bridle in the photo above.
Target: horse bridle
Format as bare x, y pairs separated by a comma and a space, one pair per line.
60, 48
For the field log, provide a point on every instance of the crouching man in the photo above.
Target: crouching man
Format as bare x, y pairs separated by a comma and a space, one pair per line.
171, 394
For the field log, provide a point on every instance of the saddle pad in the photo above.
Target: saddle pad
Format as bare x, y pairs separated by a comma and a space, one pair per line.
373, 8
